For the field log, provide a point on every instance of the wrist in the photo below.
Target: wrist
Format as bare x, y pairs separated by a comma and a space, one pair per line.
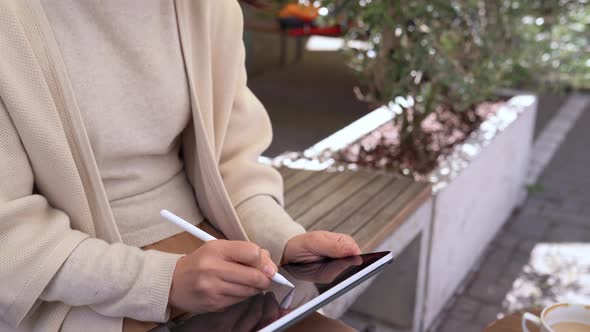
288, 250
160, 284
284, 258
174, 284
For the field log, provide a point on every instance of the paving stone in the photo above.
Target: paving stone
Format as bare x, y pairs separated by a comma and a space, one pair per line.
498, 256
506, 283
568, 233
527, 226
549, 196
487, 314
573, 205
464, 308
506, 240
489, 271
569, 218
452, 325
525, 247
533, 206
513, 270
487, 291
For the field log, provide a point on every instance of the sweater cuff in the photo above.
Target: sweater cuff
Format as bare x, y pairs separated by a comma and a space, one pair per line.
268, 224
158, 287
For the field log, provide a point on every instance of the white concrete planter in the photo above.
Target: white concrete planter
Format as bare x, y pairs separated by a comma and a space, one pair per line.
475, 190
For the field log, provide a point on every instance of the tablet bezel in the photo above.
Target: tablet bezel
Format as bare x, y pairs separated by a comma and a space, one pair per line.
328, 296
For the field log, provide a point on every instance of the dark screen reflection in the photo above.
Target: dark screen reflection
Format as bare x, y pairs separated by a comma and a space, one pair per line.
258, 311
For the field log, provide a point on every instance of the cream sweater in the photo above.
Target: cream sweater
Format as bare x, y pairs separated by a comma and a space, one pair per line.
53, 201
128, 77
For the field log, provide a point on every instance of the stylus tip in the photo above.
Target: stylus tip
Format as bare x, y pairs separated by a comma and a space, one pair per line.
282, 280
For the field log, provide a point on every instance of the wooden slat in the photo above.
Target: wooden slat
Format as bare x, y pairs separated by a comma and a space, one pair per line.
338, 215
306, 186
334, 201
316, 196
286, 172
377, 203
368, 207
298, 177
388, 219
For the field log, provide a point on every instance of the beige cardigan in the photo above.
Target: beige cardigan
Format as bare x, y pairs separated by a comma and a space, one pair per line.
51, 195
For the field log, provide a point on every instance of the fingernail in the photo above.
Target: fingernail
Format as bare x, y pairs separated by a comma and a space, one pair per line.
269, 271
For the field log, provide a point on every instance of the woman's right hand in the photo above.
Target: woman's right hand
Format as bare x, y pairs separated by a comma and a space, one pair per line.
218, 274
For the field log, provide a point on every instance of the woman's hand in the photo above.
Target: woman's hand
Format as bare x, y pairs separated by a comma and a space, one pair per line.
218, 274
313, 246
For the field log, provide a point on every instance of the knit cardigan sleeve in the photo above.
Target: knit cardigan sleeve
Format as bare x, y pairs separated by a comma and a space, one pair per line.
35, 239
115, 280
43, 259
268, 224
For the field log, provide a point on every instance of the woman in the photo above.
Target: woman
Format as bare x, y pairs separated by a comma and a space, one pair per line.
111, 110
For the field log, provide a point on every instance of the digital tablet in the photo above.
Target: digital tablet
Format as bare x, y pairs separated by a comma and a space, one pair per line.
316, 284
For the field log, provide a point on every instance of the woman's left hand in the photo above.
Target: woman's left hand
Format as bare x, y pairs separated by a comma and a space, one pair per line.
313, 246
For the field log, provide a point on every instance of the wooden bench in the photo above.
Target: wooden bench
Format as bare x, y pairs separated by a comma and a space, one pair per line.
381, 212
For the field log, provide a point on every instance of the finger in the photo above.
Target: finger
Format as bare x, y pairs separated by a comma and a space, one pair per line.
237, 290
243, 275
348, 245
250, 254
242, 252
267, 266
334, 245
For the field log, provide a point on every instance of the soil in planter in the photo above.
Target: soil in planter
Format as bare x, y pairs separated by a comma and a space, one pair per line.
441, 130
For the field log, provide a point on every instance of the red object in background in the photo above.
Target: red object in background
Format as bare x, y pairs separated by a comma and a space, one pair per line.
301, 18
334, 31
305, 13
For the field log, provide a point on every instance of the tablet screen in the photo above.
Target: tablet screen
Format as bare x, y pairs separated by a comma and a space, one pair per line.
316, 284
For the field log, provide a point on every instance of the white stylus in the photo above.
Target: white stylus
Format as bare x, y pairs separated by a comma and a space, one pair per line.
204, 236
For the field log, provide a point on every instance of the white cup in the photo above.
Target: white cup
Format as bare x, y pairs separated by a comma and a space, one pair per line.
559, 314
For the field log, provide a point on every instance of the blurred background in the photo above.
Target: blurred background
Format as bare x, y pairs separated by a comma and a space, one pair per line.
485, 101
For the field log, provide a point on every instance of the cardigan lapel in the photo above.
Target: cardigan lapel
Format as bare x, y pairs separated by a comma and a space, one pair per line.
65, 105
199, 139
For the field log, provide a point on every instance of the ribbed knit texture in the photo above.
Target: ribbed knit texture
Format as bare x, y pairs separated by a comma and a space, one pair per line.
115, 280
259, 216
